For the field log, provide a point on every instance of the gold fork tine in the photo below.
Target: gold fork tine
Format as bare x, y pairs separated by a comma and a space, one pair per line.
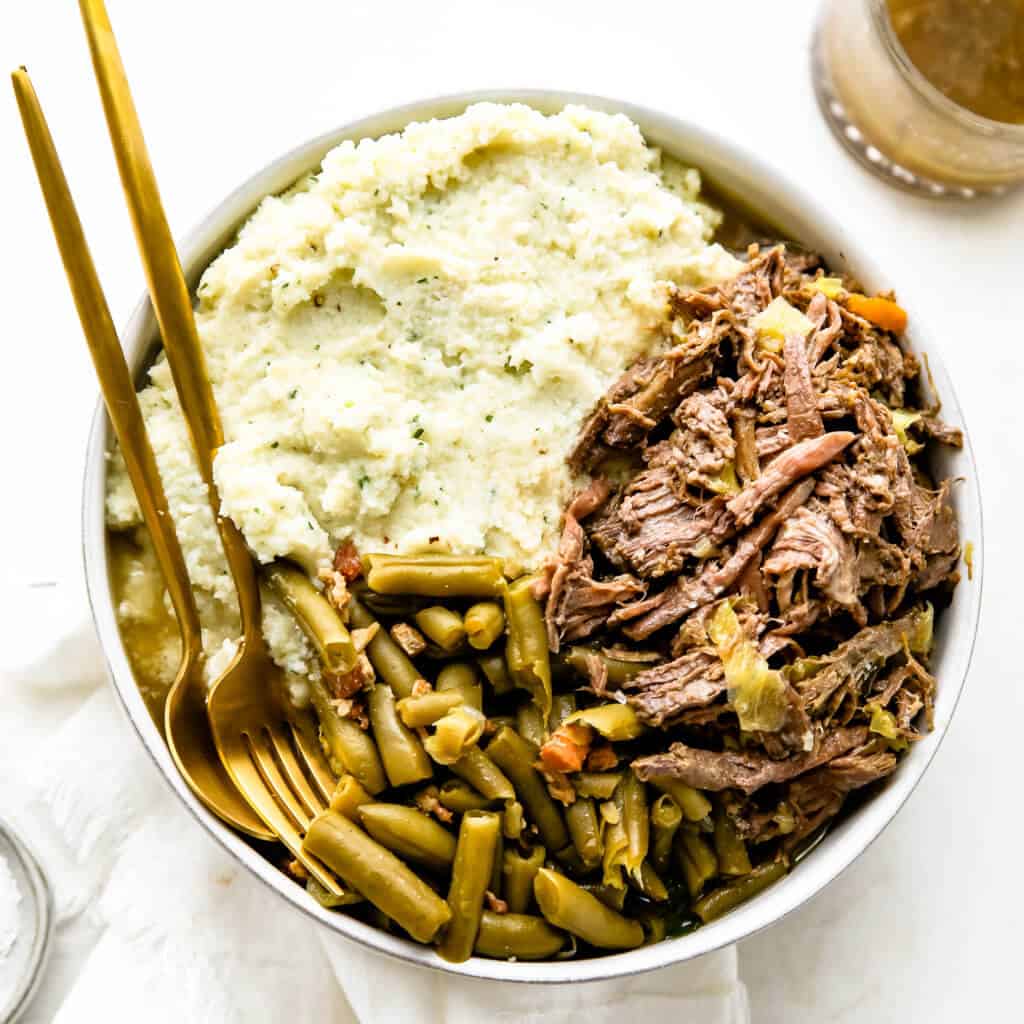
196, 759
279, 736
316, 763
263, 755
239, 706
250, 778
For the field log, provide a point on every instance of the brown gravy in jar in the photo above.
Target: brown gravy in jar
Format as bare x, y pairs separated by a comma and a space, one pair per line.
972, 51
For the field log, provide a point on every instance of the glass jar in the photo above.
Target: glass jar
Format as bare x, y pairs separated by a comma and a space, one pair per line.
895, 121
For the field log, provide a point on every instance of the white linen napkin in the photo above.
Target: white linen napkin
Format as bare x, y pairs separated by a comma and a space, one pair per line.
157, 923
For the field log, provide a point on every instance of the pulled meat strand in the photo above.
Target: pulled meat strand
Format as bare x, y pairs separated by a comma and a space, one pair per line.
746, 770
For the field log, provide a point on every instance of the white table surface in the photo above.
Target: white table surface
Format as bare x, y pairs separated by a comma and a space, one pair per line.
925, 925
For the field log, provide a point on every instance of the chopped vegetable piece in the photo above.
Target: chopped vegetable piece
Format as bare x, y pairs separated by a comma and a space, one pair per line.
730, 848
527, 651
454, 734
441, 625
615, 722
756, 692
434, 575
830, 287
484, 623
922, 631
882, 313
724, 481
566, 748
719, 901
777, 320
427, 708
901, 420
884, 724
697, 860
568, 906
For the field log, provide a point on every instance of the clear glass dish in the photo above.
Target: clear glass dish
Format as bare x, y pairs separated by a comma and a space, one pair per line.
21, 970
894, 121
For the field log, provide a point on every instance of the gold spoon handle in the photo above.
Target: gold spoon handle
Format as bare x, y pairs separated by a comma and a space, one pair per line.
111, 368
168, 291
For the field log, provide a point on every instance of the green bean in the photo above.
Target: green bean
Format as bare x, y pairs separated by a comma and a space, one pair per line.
518, 872
530, 724
387, 606
562, 706
484, 622
348, 747
730, 849
666, 817
457, 796
426, 708
596, 784
331, 900
527, 651
636, 821
495, 884
497, 722
459, 677
435, 575
441, 625
476, 768
697, 860
349, 796
571, 862
403, 755
615, 722
515, 757
410, 834
619, 670
585, 830
313, 612
610, 895
692, 802
471, 872
454, 734
517, 936
649, 883
656, 928
496, 673
723, 899
377, 874
566, 905
616, 842
513, 824
390, 662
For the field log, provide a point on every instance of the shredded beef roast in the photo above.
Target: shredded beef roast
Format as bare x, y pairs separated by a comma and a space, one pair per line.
788, 475
662, 693
744, 770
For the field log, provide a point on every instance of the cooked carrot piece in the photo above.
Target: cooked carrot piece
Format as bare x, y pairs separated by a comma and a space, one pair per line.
566, 748
882, 313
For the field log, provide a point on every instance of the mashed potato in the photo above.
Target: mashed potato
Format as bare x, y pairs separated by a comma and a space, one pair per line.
403, 345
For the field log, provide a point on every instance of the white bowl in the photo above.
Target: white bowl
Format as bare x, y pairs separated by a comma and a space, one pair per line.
801, 218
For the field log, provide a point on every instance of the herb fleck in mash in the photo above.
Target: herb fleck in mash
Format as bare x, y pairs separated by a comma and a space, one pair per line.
403, 346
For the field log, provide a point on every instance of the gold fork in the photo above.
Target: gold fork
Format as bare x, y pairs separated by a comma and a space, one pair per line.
186, 727
278, 767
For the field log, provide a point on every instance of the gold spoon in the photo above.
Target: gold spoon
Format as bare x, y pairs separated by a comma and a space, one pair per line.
281, 772
185, 722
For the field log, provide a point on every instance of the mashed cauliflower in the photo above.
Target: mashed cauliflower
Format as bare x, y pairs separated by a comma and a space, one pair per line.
403, 345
